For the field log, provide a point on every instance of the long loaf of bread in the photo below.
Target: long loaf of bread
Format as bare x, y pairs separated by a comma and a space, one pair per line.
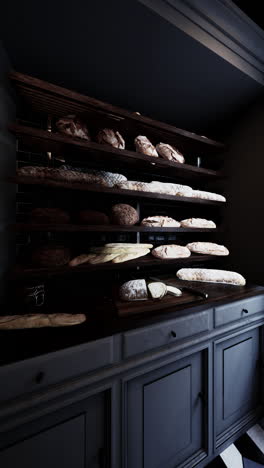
14, 322
211, 276
208, 248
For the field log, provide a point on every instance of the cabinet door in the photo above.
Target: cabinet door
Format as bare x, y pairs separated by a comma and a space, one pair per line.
237, 378
77, 442
165, 420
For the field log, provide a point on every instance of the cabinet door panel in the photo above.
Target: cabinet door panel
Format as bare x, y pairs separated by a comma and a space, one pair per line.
60, 446
237, 378
166, 421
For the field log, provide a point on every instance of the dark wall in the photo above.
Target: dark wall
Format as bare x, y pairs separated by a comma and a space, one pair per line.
7, 168
121, 52
245, 193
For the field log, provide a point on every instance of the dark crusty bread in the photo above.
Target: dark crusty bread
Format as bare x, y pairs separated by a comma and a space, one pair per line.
51, 255
123, 214
49, 216
73, 126
93, 217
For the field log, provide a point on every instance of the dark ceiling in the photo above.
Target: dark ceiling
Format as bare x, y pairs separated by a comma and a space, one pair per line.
121, 52
253, 9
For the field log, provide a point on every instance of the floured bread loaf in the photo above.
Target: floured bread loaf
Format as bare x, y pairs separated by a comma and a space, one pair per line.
134, 290
160, 221
144, 146
198, 223
73, 126
171, 251
170, 188
110, 137
208, 195
208, 248
211, 276
15, 322
169, 152
133, 185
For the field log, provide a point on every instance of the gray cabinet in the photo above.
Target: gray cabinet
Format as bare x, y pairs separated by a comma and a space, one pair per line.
75, 437
237, 381
165, 415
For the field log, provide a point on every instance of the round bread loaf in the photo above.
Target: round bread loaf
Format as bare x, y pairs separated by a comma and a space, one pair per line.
49, 216
123, 214
93, 217
107, 136
134, 290
47, 256
160, 221
73, 126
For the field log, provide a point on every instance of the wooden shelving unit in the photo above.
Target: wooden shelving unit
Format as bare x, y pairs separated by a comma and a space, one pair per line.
52, 102
27, 227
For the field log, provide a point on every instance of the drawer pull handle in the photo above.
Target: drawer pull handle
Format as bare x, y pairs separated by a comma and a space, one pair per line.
173, 334
245, 311
39, 377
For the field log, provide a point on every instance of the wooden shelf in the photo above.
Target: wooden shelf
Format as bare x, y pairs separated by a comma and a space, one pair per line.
82, 152
26, 272
111, 191
57, 101
27, 227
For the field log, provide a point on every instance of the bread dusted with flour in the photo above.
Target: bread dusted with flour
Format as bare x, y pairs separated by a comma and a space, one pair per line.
171, 251
134, 290
107, 136
198, 223
143, 145
160, 221
211, 276
170, 153
208, 248
73, 126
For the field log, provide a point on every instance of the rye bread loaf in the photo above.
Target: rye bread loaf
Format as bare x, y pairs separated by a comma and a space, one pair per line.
211, 276
160, 221
198, 223
170, 153
171, 251
15, 322
93, 217
143, 145
208, 248
134, 290
107, 136
49, 216
73, 126
124, 215
51, 255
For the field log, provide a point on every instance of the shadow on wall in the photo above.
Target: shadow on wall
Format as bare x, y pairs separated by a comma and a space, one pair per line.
7, 168
245, 194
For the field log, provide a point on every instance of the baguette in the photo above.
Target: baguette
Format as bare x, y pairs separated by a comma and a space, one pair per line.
130, 256
211, 276
14, 322
208, 195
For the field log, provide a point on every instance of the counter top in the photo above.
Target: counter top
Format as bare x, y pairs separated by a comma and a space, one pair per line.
103, 320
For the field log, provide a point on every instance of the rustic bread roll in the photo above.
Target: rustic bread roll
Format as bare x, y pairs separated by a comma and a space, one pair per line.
144, 146
134, 290
49, 216
110, 137
73, 126
208, 248
123, 214
198, 223
171, 251
211, 276
170, 153
15, 322
93, 217
208, 195
47, 256
159, 221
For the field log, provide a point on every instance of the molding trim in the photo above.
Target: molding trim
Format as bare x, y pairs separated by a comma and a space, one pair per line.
221, 27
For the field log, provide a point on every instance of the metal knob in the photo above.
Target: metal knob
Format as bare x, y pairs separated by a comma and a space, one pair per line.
245, 311
39, 377
173, 333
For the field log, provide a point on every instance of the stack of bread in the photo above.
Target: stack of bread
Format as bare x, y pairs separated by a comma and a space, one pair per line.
113, 252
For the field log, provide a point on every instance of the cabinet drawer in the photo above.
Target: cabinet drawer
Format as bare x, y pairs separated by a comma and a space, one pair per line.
35, 374
145, 339
238, 310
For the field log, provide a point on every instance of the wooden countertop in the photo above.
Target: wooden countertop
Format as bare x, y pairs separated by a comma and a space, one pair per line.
102, 321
